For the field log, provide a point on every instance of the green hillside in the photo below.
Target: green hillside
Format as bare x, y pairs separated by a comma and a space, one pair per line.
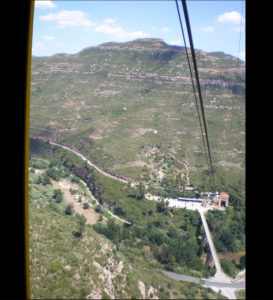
70, 260
121, 103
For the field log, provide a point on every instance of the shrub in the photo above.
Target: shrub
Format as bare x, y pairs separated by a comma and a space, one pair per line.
85, 205
57, 265
69, 210
104, 295
98, 209
228, 267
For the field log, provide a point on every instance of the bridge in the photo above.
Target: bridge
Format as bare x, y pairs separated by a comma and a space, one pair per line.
220, 281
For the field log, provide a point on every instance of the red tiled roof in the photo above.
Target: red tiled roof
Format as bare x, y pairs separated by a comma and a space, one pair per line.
224, 195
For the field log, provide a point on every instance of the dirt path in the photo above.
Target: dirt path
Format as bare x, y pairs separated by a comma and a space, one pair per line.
91, 216
186, 167
124, 221
90, 163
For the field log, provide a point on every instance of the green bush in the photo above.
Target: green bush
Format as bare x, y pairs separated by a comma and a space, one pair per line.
57, 265
85, 205
104, 295
69, 210
98, 209
228, 267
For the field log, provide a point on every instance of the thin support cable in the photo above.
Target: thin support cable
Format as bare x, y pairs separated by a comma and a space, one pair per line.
194, 92
197, 81
237, 67
240, 33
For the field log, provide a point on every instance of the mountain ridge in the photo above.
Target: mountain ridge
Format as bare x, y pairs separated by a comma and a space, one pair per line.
138, 89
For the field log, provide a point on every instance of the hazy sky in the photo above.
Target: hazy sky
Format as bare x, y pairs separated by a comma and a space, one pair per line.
70, 26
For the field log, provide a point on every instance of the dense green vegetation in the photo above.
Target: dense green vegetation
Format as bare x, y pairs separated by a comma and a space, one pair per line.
121, 106
67, 257
241, 294
228, 229
171, 235
229, 268
129, 109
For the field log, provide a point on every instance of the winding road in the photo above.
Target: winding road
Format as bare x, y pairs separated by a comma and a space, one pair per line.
227, 289
90, 163
219, 282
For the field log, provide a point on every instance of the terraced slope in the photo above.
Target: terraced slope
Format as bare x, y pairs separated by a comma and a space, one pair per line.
121, 103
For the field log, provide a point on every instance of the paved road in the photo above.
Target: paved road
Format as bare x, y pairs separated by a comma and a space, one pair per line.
207, 282
220, 276
211, 245
220, 280
225, 285
180, 277
227, 289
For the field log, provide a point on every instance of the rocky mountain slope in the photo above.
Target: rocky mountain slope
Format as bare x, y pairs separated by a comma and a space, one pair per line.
121, 103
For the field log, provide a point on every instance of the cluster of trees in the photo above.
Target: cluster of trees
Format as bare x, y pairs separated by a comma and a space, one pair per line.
128, 202
81, 225
228, 230
38, 147
58, 196
151, 221
229, 267
171, 247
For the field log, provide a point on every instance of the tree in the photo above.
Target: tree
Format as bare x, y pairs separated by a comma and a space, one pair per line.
171, 262
141, 191
58, 196
228, 267
242, 261
45, 179
113, 230
54, 173
162, 206
227, 238
85, 205
98, 209
73, 192
69, 210
81, 222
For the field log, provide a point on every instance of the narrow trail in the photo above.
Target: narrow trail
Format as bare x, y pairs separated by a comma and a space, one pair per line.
186, 167
90, 163
97, 201
98, 169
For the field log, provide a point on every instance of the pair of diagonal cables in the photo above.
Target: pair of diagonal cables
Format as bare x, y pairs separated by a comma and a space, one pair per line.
199, 105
